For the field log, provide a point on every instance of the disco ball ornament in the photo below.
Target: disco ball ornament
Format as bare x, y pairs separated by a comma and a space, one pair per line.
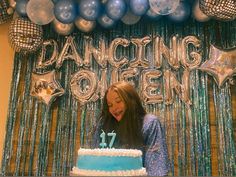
224, 10
4, 14
25, 36
164, 7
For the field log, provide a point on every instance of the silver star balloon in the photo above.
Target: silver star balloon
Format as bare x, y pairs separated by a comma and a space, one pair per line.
221, 64
45, 87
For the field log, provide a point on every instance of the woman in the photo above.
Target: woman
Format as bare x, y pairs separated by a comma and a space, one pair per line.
124, 114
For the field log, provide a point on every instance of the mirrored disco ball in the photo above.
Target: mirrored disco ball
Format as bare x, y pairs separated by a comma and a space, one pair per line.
219, 9
4, 15
25, 36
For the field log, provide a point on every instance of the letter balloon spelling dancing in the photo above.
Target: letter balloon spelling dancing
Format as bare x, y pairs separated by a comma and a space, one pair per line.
124, 114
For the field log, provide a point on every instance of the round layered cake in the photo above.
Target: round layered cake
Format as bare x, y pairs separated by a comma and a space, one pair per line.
109, 162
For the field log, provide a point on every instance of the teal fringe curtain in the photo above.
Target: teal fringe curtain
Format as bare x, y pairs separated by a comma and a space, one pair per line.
42, 140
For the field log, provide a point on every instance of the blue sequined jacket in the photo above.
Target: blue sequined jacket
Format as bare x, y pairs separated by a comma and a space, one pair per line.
155, 155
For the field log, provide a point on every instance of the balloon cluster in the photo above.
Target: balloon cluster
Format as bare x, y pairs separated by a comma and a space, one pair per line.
65, 15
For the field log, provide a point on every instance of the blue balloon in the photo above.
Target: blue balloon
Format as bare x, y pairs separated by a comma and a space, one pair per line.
105, 21
21, 7
115, 9
181, 13
65, 11
89, 9
139, 7
84, 25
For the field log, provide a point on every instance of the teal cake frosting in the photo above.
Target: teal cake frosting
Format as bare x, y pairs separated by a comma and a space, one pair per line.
109, 163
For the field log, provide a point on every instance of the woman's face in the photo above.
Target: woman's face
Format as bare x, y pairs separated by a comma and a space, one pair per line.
115, 104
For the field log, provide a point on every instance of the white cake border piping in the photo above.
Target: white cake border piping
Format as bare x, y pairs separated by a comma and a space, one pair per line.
110, 152
76, 171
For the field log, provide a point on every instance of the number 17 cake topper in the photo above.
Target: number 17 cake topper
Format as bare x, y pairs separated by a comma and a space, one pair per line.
103, 144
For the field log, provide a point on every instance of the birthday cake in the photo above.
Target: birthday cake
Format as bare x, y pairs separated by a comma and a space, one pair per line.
109, 162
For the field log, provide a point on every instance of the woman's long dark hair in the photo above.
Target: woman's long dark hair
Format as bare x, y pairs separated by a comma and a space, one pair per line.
129, 128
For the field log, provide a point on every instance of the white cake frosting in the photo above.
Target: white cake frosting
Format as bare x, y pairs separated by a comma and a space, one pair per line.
79, 172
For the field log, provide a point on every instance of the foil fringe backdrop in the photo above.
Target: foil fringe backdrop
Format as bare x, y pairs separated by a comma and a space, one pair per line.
43, 140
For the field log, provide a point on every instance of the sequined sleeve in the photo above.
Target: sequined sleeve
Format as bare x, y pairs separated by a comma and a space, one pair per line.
155, 154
